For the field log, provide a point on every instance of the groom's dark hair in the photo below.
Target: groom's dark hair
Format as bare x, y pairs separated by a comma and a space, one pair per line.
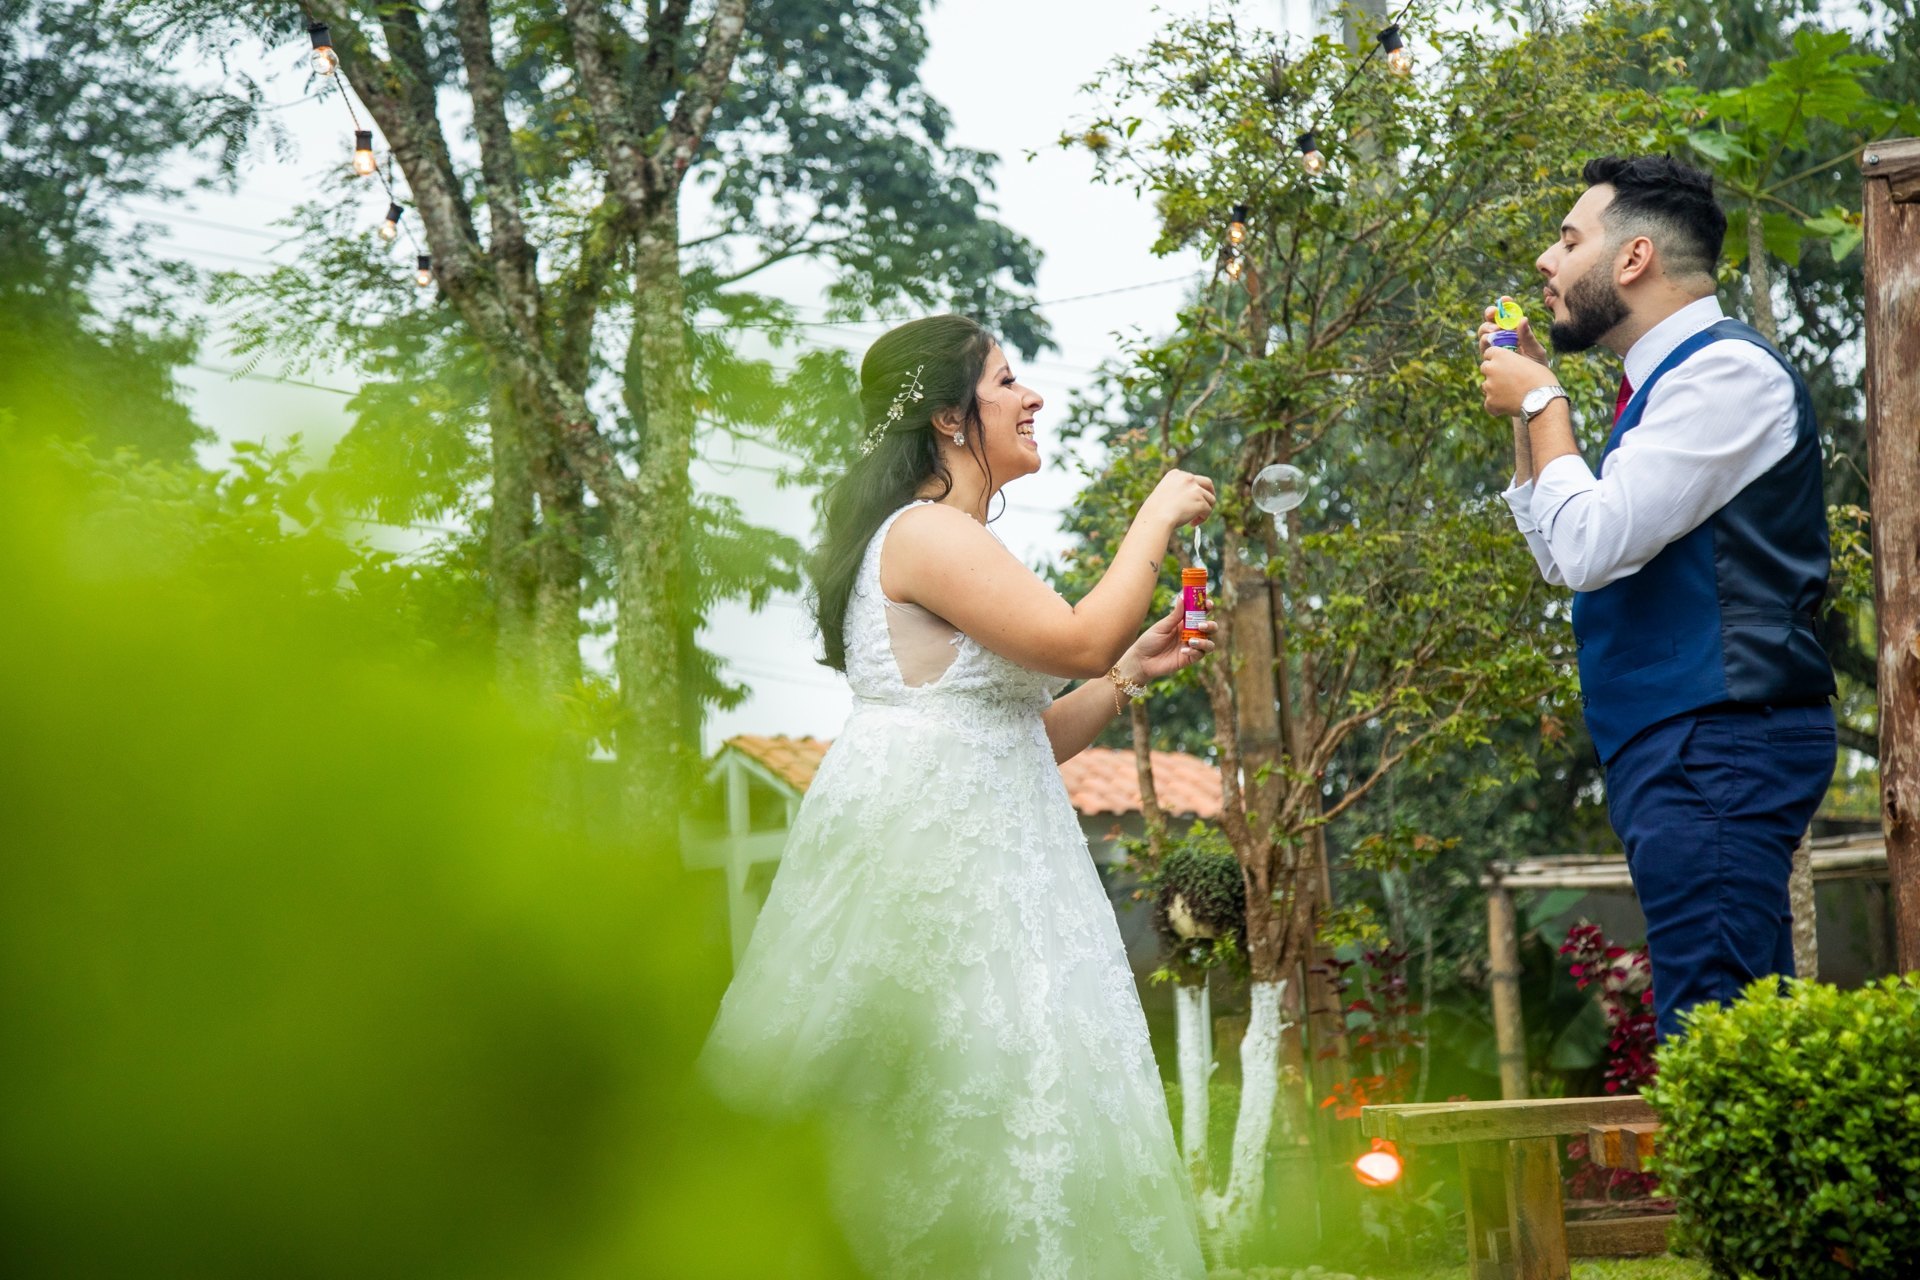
1670, 203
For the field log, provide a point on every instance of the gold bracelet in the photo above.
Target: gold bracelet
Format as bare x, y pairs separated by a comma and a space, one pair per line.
1123, 686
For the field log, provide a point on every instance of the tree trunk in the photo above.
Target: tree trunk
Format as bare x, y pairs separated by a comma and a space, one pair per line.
1231, 1215
1325, 1024
535, 551
510, 524
560, 565
1247, 600
1806, 942
1760, 277
1326, 1016
1193, 1037
656, 755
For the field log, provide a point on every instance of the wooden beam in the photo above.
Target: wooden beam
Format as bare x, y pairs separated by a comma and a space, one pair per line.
1440, 1123
1898, 161
1891, 211
1619, 1237
1848, 860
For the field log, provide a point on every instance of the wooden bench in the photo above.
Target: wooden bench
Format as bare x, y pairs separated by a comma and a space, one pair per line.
1622, 1146
1510, 1167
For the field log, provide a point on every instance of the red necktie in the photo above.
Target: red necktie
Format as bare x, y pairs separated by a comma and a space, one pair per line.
1626, 394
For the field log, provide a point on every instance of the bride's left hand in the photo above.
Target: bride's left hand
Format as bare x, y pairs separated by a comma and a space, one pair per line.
1159, 652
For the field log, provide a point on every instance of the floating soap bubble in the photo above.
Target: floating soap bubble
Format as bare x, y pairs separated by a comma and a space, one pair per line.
1279, 488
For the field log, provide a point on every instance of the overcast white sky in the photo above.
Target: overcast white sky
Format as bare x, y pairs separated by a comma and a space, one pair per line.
1011, 73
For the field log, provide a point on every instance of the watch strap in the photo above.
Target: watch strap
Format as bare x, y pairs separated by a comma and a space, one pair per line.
1555, 392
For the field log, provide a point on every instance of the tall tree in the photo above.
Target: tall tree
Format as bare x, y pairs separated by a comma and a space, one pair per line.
580, 288
1395, 610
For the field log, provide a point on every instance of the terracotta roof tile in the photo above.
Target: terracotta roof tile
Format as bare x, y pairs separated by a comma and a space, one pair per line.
1099, 779
795, 759
1103, 780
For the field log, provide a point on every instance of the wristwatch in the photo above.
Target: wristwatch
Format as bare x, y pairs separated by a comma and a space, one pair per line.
1536, 401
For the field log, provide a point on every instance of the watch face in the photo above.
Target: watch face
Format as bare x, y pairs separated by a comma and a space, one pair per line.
1536, 400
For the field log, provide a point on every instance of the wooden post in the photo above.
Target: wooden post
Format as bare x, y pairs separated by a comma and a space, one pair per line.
1536, 1216
1891, 206
1503, 957
1483, 1178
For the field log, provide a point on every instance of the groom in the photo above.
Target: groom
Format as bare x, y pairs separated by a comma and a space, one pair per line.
1698, 558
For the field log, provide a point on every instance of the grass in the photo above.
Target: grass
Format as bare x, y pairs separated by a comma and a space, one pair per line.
1583, 1269
1661, 1268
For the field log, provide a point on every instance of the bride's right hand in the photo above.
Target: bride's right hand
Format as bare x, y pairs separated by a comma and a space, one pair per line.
1181, 498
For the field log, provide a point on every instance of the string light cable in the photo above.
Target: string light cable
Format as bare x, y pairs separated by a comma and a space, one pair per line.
326, 62
1391, 42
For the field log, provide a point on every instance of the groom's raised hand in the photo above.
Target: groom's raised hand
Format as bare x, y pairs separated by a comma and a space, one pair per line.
1506, 375
1529, 345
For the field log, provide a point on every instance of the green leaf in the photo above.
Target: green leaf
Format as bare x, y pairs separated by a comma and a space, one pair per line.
1783, 234
1844, 243
1841, 228
1717, 146
1543, 907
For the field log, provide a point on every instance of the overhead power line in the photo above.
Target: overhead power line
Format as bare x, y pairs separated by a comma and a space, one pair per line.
890, 321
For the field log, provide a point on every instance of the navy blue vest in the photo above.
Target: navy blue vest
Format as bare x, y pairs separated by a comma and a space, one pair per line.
1724, 614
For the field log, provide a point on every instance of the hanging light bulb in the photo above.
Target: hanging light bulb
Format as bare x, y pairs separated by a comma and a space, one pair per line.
1399, 59
363, 152
325, 60
423, 274
1235, 265
1310, 158
1237, 226
391, 227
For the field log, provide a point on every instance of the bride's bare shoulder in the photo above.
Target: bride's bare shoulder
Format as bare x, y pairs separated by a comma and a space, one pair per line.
928, 539
934, 526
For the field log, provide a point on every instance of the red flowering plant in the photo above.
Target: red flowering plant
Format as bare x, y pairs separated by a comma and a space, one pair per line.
1379, 1024
1625, 992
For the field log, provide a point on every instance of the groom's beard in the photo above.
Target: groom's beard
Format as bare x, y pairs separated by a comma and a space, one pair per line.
1594, 307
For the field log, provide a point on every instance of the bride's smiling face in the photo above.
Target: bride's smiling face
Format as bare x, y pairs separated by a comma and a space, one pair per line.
1007, 411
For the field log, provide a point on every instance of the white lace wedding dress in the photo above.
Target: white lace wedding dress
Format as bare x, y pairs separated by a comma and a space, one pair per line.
938, 974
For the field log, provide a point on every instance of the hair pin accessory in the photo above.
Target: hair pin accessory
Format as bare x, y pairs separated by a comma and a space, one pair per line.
910, 393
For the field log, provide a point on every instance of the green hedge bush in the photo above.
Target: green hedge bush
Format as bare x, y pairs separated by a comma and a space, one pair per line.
1791, 1132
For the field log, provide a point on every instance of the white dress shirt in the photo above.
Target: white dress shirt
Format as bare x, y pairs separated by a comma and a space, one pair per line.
1710, 428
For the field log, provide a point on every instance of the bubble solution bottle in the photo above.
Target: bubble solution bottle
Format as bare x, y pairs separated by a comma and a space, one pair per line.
1507, 315
1193, 603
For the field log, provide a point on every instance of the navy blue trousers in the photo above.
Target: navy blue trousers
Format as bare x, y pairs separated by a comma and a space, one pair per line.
1710, 806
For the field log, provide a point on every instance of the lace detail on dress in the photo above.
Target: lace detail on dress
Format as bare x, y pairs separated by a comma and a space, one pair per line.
976, 674
938, 971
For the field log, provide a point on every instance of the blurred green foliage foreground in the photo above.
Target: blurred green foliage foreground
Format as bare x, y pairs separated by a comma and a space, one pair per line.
297, 976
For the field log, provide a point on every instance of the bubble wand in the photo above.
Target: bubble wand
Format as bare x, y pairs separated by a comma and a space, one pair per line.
1507, 315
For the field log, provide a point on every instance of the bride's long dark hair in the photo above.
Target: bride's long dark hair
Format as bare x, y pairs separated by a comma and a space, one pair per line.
949, 356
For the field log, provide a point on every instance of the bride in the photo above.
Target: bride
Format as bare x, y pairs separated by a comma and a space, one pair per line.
937, 973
